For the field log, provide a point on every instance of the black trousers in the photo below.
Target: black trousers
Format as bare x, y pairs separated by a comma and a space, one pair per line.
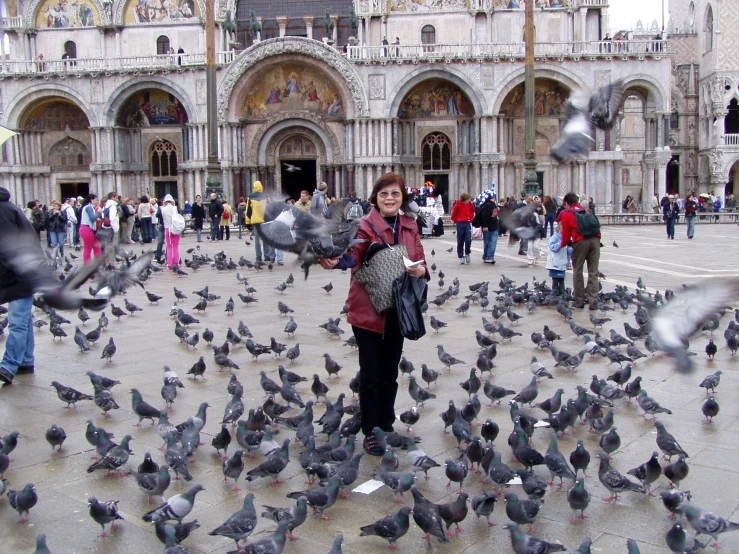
379, 356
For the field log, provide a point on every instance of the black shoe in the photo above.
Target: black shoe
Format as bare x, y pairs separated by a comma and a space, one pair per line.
578, 306
371, 446
6, 378
593, 306
24, 369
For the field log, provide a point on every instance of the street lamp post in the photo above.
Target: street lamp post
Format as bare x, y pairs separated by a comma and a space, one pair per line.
531, 183
213, 170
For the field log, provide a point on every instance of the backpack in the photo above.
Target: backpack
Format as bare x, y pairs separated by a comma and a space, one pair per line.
121, 214
587, 223
177, 225
355, 211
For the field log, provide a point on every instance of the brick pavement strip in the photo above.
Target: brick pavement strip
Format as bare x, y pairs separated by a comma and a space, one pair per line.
146, 342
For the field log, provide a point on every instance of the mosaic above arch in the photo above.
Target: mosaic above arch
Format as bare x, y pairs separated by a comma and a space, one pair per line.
549, 98
141, 12
66, 14
292, 87
54, 114
435, 98
426, 5
151, 107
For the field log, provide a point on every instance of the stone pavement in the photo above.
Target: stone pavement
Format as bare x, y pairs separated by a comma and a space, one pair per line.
146, 343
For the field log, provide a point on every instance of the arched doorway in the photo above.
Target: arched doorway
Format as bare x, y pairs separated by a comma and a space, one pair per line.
436, 161
297, 157
163, 160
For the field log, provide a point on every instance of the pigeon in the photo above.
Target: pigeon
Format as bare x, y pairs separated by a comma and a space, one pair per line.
676, 320
710, 408
705, 522
109, 350
197, 369
69, 395
221, 441
322, 498
447, 359
177, 532
483, 505
677, 471
332, 368
175, 457
427, 517
681, 542
293, 516
153, 484
234, 409
318, 388
418, 394
391, 527
177, 507
538, 369
648, 472
454, 512
496, 393
80, 340
667, 443
528, 394
55, 436
103, 382
428, 375
556, 462
23, 500
533, 486
419, 461
672, 500
581, 113
114, 459
650, 405
104, 512
610, 442
711, 382
521, 511
614, 481
142, 409
527, 544
240, 524
471, 385
273, 466
398, 482
104, 400
410, 418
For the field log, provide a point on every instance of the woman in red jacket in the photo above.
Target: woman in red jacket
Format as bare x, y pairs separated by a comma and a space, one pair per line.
378, 336
463, 213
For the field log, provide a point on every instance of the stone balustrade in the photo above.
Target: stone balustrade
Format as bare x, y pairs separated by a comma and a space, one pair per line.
74, 66
12, 22
731, 139
568, 49
359, 54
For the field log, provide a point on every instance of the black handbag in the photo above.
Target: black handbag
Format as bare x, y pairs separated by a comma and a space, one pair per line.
382, 264
410, 295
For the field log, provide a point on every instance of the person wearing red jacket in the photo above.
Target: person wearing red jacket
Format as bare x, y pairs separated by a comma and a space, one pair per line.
463, 212
379, 340
584, 250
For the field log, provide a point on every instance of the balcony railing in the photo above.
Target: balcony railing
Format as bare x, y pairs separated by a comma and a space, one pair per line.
603, 48
13, 22
731, 139
71, 66
426, 52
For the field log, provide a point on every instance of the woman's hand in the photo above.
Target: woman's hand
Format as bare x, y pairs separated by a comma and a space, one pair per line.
328, 263
418, 271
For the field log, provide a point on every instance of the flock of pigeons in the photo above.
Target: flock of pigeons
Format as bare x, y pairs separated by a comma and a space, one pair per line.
662, 323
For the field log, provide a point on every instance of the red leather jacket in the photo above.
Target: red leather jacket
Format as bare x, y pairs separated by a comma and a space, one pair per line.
360, 311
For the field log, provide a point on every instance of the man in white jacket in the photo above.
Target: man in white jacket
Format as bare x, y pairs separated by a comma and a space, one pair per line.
111, 212
71, 220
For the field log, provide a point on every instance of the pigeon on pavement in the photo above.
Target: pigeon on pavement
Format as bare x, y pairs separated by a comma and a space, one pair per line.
240, 524
104, 512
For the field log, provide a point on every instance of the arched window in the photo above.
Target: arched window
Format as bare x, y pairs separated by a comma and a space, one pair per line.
674, 120
164, 159
428, 36
436, 152
708, 30
70, 49
162, 45
69, 152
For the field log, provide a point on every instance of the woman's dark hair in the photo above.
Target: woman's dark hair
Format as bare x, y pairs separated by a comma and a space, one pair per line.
547, 201
144, 199
31, 204
385, 181
89, 198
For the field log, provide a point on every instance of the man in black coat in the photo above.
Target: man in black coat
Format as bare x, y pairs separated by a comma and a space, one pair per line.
215, 211
198, 216
17, 291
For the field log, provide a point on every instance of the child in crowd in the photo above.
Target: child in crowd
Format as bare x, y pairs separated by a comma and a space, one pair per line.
557, 261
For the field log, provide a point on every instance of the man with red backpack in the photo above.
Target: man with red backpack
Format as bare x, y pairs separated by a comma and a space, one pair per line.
581, 229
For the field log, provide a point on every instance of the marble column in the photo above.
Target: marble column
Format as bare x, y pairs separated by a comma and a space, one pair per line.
661, 179
581, 177
357, 139
395, 137
648, 181
381, 142
282, 24
608, 197
308, 20
359, 181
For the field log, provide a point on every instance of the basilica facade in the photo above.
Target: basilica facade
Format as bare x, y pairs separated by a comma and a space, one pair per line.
111, 95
